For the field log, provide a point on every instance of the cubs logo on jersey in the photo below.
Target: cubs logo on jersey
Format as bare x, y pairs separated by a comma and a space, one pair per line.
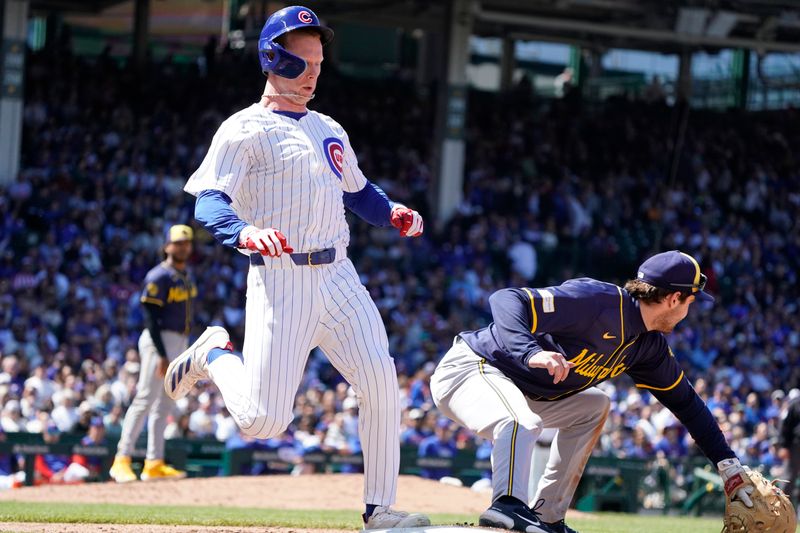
334, 153
305, 17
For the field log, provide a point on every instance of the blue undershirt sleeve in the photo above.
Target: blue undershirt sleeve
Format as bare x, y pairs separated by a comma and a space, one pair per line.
370, 204
213, 210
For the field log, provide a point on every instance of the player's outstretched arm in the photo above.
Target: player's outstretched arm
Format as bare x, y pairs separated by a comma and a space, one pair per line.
370, 202
662, 376
373, 205
747, 493
752, 502
691, 410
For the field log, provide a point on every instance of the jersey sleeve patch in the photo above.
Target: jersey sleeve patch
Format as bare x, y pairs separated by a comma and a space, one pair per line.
548, 302
152, 289
334, 153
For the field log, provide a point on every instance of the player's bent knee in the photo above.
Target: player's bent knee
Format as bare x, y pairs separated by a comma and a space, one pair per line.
526, 423
602, 405
596, 402
387, 371
383, 374
531, 423
143, 400
266, 426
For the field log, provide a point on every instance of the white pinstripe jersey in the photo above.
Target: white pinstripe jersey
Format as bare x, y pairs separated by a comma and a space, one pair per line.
284, 173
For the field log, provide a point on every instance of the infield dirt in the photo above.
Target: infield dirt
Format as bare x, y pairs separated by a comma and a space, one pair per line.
16, 527
321, 492
271, 492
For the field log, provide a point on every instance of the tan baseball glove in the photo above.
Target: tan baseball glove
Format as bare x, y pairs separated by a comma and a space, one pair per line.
771, 509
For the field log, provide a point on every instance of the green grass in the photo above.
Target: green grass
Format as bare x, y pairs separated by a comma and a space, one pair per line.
241, 517
626, 523
172, 514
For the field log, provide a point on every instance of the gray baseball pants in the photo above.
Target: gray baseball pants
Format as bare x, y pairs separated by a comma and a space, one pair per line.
481, 398
150, 401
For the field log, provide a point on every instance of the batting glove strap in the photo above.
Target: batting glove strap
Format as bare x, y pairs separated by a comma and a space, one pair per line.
268, 241
737, 481
244, 234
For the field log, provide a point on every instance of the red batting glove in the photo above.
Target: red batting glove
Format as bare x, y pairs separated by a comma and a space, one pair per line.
408, 221
268, 241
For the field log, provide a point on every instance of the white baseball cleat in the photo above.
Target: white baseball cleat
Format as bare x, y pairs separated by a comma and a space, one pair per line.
191, 366
387, 518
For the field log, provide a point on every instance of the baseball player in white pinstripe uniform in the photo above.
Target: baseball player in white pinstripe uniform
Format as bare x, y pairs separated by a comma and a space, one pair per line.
275, 184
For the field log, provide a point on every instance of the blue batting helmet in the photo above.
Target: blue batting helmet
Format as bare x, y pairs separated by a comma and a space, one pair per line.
274, 58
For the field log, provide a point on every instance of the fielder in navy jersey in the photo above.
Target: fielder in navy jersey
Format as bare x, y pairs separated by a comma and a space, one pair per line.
275, 184
537, 366
168, 299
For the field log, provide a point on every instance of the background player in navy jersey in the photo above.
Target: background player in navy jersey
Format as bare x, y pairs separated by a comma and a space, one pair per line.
275, 184
167, 303
537, 366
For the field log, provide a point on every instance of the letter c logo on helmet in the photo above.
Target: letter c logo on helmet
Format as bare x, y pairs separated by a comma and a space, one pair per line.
273, 57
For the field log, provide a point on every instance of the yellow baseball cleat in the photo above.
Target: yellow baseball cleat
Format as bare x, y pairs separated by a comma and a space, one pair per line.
121, 470
157, 469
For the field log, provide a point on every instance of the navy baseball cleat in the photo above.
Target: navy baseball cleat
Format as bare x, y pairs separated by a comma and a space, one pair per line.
560, 527
510, 513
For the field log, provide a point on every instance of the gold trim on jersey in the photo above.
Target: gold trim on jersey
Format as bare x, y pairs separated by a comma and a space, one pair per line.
642, 386
533, 310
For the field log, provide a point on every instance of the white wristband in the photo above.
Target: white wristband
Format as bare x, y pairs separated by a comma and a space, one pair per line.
245, 233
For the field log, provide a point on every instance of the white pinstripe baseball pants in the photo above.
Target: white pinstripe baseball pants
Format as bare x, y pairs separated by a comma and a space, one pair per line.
289, 312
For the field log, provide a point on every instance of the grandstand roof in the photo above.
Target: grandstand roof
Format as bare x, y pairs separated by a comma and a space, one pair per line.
668, 26
72, 6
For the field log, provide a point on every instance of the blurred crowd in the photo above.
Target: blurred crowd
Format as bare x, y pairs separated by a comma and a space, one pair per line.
553, 190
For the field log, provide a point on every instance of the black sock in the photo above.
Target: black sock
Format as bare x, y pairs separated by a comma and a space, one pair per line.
510, 500
370, 510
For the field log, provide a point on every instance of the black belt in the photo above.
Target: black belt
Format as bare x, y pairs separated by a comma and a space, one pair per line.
321, 257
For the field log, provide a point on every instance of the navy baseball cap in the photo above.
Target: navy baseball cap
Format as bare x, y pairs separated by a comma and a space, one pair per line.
676, 271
